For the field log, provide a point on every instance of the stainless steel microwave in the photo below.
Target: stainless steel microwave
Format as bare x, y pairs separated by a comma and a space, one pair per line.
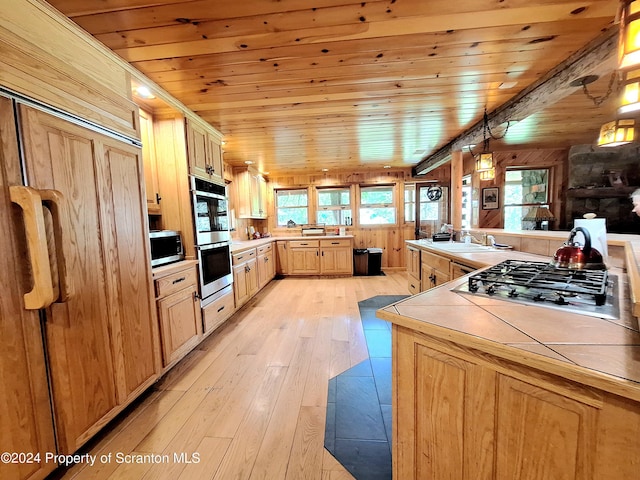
166, 247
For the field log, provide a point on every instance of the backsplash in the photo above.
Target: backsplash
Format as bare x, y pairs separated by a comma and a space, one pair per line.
600, 181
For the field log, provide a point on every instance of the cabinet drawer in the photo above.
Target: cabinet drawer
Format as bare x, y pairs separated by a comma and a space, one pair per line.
414, 285
265, 248
176, 282
435, 261
304, 243
243, 256
335, 243
214, 314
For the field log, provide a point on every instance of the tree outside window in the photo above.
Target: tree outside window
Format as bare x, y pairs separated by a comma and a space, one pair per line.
524, 189
377, 205
292, 205
334, 206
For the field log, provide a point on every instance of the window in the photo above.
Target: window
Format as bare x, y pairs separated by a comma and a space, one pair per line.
292, 205
466, 202
334, 206
409, 202
524, 189
377, 206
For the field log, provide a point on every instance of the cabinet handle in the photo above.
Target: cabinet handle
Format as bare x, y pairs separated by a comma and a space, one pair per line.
221, 308
55, 202
41, 295
335, 243
178, 280
158, 197
195, 296
304, 244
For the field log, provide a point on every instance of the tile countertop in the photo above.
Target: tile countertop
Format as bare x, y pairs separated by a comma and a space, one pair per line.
601, 353
240, 245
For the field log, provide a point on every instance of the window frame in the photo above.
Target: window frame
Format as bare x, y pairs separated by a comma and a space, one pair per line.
548, 203
394, 204
340, 207
277, 206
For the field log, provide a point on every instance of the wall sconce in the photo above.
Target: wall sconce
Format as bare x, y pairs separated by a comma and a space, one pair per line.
616, 133
629, 43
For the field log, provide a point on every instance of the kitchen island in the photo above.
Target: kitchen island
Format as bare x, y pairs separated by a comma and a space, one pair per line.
485, 388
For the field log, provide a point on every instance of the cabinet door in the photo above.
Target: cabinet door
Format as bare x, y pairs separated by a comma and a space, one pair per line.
335, 261
305, 260
413, 262
150, 164
252, 277
25, 413
180, 323
102, 342
271, 265
445, 414
215, 159
556, 435
197, 148
282, 266
240, 288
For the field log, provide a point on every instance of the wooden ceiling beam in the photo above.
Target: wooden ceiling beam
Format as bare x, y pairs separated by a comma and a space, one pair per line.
597, 56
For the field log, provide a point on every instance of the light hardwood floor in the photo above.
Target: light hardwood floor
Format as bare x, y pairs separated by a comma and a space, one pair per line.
251, 399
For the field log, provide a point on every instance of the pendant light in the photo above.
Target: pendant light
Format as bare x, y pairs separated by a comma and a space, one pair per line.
484, 160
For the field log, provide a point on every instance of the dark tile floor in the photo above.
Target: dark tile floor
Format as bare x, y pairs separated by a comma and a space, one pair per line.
358, 427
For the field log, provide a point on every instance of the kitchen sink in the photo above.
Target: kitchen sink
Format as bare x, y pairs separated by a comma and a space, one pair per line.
457, 247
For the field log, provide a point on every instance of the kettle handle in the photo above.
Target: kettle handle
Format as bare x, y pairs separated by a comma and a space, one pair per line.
587, 239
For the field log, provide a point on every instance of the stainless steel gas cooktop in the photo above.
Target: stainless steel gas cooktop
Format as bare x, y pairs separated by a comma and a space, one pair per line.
588, 292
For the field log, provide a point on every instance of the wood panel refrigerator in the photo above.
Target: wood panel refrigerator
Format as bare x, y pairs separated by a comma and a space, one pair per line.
78, 331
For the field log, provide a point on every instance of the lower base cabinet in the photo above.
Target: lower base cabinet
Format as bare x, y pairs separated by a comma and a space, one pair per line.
221, 308
459, 413
178, 313
245, 276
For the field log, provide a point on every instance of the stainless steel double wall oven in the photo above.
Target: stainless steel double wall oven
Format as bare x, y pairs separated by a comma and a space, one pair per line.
213, 240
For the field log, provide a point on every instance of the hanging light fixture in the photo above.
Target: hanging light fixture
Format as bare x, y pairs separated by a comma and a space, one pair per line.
618, 132
630, 96
484, 160
629, 43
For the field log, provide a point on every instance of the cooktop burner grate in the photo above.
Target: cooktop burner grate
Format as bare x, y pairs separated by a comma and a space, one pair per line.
591, 292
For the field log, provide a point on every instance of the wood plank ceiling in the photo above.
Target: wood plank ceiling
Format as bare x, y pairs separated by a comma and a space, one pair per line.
301, 85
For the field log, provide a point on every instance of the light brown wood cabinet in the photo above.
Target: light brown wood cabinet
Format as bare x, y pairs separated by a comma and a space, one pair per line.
251, 193
150, 163
204, 153
413, 270
304, 257
282, 257
245, 276
460, 413
102, 341
434, 270
178, 313
266, 265
27, 424
220, 309
336, 257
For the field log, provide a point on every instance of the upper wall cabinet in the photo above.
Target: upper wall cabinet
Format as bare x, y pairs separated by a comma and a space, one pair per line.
203, 150
251, 193
150, 163
50, 61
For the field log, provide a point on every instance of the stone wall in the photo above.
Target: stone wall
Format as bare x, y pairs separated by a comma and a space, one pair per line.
600, 181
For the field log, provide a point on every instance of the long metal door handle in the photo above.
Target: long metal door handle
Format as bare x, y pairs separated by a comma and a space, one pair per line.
29, 200
55, 202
